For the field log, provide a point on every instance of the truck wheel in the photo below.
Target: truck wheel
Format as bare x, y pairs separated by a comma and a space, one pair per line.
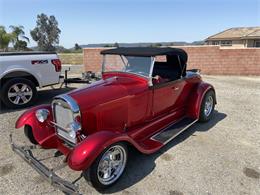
207, 106
18, 93
29, 134
108, 167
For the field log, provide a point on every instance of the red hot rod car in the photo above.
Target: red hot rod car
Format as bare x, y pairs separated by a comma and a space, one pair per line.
145, 98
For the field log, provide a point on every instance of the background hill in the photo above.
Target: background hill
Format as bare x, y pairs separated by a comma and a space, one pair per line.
148, 44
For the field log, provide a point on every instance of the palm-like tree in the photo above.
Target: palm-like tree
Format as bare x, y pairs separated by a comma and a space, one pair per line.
5, 39
18, 33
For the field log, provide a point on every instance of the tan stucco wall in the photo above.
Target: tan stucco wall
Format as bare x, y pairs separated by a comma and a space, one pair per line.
238, 43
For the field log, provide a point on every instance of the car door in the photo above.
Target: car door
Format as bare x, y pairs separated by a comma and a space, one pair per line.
165, 97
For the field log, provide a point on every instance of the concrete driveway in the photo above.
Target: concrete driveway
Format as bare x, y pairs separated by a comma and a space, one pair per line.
218, 157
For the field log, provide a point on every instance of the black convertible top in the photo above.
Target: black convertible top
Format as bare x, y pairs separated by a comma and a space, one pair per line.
148, 51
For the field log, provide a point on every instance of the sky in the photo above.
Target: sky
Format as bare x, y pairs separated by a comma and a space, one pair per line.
110, 21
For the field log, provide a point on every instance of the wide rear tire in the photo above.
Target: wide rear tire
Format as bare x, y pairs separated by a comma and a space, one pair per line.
207, 106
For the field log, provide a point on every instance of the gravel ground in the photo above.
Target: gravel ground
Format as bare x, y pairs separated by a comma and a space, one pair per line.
219, 157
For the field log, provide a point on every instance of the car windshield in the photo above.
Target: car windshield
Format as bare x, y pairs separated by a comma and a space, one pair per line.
128, 64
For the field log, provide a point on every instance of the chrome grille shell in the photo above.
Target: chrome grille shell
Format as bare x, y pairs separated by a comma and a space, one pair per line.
65, 110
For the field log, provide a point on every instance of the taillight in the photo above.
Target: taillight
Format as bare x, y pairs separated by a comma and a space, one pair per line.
57, 64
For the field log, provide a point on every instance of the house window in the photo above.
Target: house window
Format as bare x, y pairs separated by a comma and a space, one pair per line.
257, 43
215, 42
226, 43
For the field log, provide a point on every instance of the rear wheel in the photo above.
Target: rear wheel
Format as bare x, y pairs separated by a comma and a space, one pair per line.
108, 167
18, 93
207, 106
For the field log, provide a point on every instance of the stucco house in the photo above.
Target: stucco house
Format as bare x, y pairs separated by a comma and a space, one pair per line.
236, 37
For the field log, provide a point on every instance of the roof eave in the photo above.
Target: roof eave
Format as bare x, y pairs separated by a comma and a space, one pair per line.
250, 37
223, 39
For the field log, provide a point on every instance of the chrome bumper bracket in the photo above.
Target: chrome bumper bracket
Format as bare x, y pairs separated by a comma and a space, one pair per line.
25, 152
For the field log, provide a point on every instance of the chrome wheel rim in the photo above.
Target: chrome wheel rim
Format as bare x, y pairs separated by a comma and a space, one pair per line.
111, 165
208, 106
20, 93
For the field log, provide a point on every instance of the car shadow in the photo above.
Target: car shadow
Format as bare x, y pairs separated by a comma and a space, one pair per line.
141, 165
44, 97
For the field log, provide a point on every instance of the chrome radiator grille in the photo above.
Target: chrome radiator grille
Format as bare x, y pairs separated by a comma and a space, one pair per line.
65, 110
63, 117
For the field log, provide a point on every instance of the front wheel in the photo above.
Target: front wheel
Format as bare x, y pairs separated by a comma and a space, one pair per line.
108, 167
29, 134
207, 106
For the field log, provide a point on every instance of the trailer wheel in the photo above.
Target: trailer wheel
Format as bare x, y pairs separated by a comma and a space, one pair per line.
18, 93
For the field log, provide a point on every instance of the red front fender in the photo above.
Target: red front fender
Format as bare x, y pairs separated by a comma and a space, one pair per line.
43, 133
29, 115
86, 152
197, 97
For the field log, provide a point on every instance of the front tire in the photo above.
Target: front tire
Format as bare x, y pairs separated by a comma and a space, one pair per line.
108, 167
18, 93
207, 106
29, 134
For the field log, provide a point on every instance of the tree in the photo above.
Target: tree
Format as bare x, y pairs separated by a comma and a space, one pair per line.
21, 45
17, 33
108, 45
5, 39
155, 45
116, 44
77, 47
46, 33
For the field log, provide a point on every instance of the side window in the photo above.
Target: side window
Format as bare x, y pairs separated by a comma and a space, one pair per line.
257, 43
215, 42
226, 43
166, 68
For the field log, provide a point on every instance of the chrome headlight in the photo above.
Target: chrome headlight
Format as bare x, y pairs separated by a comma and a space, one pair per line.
42, 114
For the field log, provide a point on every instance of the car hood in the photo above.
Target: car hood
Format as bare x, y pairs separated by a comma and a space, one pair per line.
107, 90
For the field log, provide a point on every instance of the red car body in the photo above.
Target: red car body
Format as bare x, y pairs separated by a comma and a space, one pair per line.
138, 112
121, 107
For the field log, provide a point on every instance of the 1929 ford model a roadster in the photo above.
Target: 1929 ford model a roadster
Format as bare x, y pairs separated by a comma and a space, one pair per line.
145, 98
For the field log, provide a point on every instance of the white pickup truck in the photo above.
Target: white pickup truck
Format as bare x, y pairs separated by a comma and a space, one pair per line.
21, 73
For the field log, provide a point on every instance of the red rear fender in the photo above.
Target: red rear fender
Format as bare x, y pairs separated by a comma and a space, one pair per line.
196, 98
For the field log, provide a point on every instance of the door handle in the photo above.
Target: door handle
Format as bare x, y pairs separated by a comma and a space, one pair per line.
175, 88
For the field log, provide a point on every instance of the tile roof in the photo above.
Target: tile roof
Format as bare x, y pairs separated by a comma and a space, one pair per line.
254, 34
237, 33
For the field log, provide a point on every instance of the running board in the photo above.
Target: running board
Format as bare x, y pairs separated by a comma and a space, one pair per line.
173, 130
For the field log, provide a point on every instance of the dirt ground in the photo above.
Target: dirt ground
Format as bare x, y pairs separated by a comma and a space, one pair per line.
218, 157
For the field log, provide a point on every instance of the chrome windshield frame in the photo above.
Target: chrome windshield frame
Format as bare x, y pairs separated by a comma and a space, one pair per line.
150, 83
